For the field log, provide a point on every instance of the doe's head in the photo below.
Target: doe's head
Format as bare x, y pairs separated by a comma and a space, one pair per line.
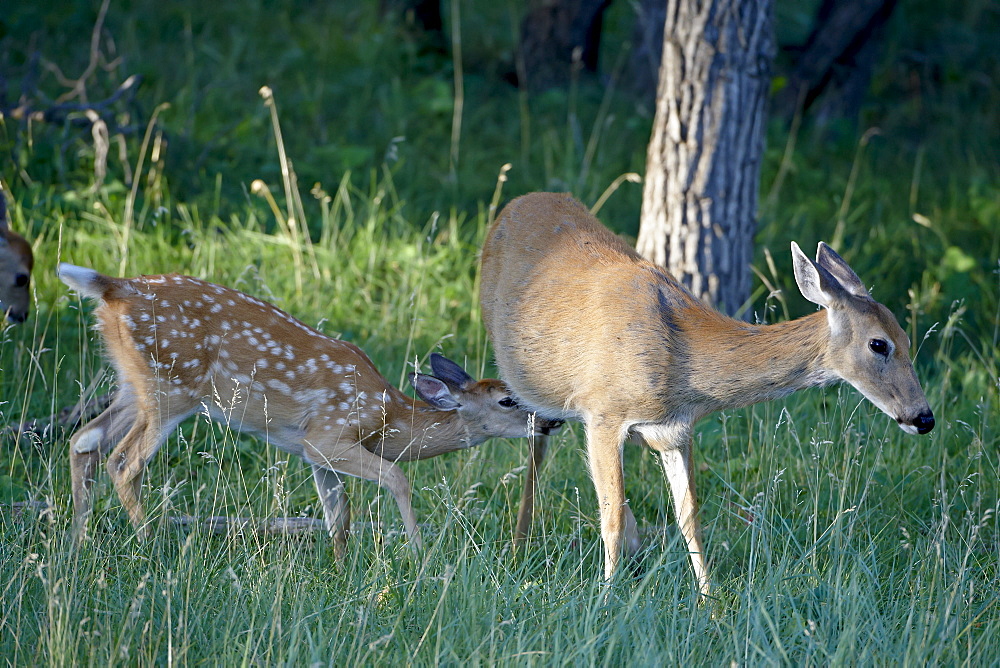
867, 347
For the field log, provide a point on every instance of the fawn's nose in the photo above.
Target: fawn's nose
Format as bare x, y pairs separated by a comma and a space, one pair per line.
924, 422
550, 426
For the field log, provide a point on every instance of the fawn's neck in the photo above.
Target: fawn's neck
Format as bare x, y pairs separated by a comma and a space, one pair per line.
419, 431
740, 364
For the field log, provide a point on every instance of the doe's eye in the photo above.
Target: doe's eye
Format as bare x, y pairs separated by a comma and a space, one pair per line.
507, 402
20, 280
879, 346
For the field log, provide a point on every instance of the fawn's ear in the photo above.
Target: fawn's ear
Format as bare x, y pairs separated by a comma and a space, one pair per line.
828, 258
815, 281
434, 391
450, 372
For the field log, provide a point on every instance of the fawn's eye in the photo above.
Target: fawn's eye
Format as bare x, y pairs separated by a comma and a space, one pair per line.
879, 346
20, 280
507, 402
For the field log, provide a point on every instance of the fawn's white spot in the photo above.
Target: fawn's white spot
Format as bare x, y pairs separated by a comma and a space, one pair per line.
276, 384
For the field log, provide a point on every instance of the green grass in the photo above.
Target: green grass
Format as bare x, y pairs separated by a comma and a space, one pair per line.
833, 537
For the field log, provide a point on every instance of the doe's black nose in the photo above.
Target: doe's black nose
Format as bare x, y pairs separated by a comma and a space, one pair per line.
924, 423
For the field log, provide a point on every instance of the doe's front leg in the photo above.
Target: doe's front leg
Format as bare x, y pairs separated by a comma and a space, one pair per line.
674, 446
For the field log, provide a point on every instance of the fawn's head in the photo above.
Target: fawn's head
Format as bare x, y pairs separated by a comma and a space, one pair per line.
867, 347
487, 406
16, 261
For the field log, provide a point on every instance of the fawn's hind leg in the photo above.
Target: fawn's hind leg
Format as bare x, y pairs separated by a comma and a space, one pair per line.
90, 444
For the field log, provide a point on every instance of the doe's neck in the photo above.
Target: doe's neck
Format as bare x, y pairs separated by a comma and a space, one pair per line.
738, 364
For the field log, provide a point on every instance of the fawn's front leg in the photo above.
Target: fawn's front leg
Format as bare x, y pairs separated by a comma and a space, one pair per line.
336, 507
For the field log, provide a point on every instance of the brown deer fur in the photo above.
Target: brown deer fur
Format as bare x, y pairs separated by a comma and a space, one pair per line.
585, 329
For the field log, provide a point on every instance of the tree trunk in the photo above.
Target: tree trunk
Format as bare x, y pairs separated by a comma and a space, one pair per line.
703, 162
556, 36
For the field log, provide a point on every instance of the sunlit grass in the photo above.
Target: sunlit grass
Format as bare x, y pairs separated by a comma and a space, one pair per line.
833, 537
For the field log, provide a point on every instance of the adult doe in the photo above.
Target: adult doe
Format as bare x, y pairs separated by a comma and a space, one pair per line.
585, 329
180, 345
16, 262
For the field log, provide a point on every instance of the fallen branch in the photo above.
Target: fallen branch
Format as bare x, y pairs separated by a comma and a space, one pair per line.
217, 524
277, 525
69, 418
60, 112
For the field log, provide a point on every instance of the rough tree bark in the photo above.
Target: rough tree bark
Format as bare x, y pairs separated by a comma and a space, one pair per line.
703, 162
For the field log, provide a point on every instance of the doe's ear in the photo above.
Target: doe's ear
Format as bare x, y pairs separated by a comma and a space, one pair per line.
450, 372
828, 258
815, 282
434, 391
